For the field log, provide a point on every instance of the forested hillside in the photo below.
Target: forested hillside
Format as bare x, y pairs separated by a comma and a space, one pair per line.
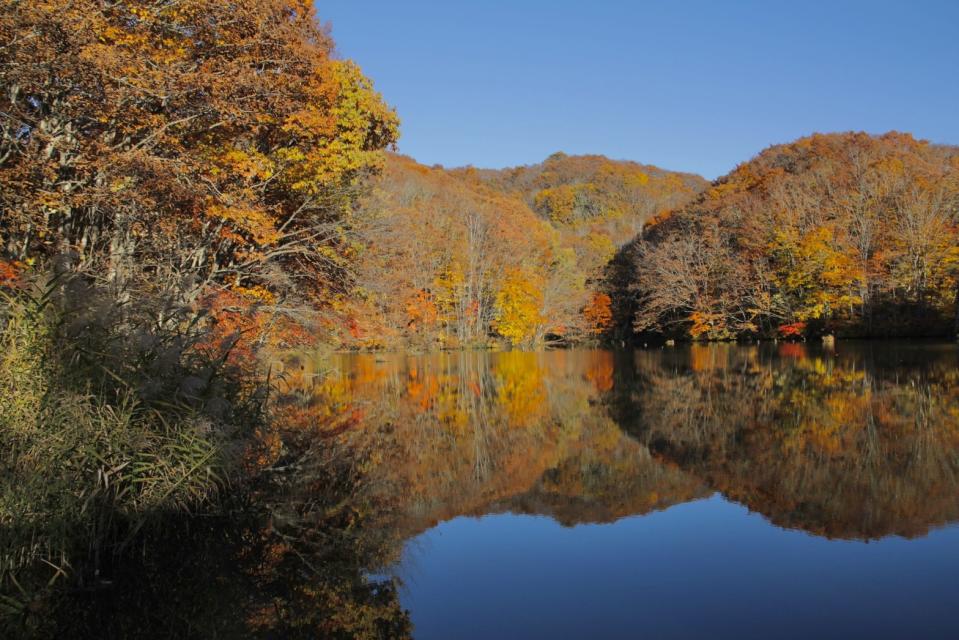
593, 196
460, 258
848, 234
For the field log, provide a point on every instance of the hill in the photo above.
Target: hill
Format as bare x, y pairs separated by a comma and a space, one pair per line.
851, 234
447, 258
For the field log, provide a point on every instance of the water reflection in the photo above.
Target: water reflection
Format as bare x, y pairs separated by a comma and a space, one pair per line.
861, 443
701, 470
858, 444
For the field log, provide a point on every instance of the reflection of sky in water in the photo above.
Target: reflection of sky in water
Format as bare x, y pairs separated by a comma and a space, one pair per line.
708, 568
657, 458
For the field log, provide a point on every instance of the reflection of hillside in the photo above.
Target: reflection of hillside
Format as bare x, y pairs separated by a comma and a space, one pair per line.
371, 451
459, 434
843, 446
605, 487
861, 444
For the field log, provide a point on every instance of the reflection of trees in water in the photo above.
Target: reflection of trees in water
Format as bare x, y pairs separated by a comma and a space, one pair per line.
861, 444
295, 570
858, 444
372, 451
604, 485
841, 445
469, 433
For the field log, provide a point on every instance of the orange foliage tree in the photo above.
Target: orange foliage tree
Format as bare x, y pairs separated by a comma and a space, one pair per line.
437, 247
182, 146
599, 313
846, 233
436, 253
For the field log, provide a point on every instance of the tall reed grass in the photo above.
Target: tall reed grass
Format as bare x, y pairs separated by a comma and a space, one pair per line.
109, 423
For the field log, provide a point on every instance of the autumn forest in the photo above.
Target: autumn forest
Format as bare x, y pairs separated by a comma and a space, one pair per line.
215, 182
195, 194
846, 234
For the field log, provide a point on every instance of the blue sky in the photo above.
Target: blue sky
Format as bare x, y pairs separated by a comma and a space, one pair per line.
693, 85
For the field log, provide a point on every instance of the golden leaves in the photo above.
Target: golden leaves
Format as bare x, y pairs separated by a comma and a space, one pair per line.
518, 307
223, 136
247, 164
252, 221
837, 229
816, 271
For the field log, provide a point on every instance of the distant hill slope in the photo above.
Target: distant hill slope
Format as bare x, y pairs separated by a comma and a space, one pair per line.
841, 233
594, 196
461, 257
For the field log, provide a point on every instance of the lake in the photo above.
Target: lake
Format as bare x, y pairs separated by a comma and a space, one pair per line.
717, 491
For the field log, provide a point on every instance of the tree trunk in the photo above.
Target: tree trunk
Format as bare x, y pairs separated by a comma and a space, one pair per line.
955, 327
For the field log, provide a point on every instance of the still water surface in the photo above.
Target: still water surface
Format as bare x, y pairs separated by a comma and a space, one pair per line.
777, 491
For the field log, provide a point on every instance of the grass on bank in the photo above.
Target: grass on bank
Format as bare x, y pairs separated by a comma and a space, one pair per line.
108, 421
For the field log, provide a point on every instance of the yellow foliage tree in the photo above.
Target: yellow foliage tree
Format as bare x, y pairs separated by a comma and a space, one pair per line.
815, 274
518, 307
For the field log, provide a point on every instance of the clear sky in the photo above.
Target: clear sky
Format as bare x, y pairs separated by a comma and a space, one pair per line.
693, 85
